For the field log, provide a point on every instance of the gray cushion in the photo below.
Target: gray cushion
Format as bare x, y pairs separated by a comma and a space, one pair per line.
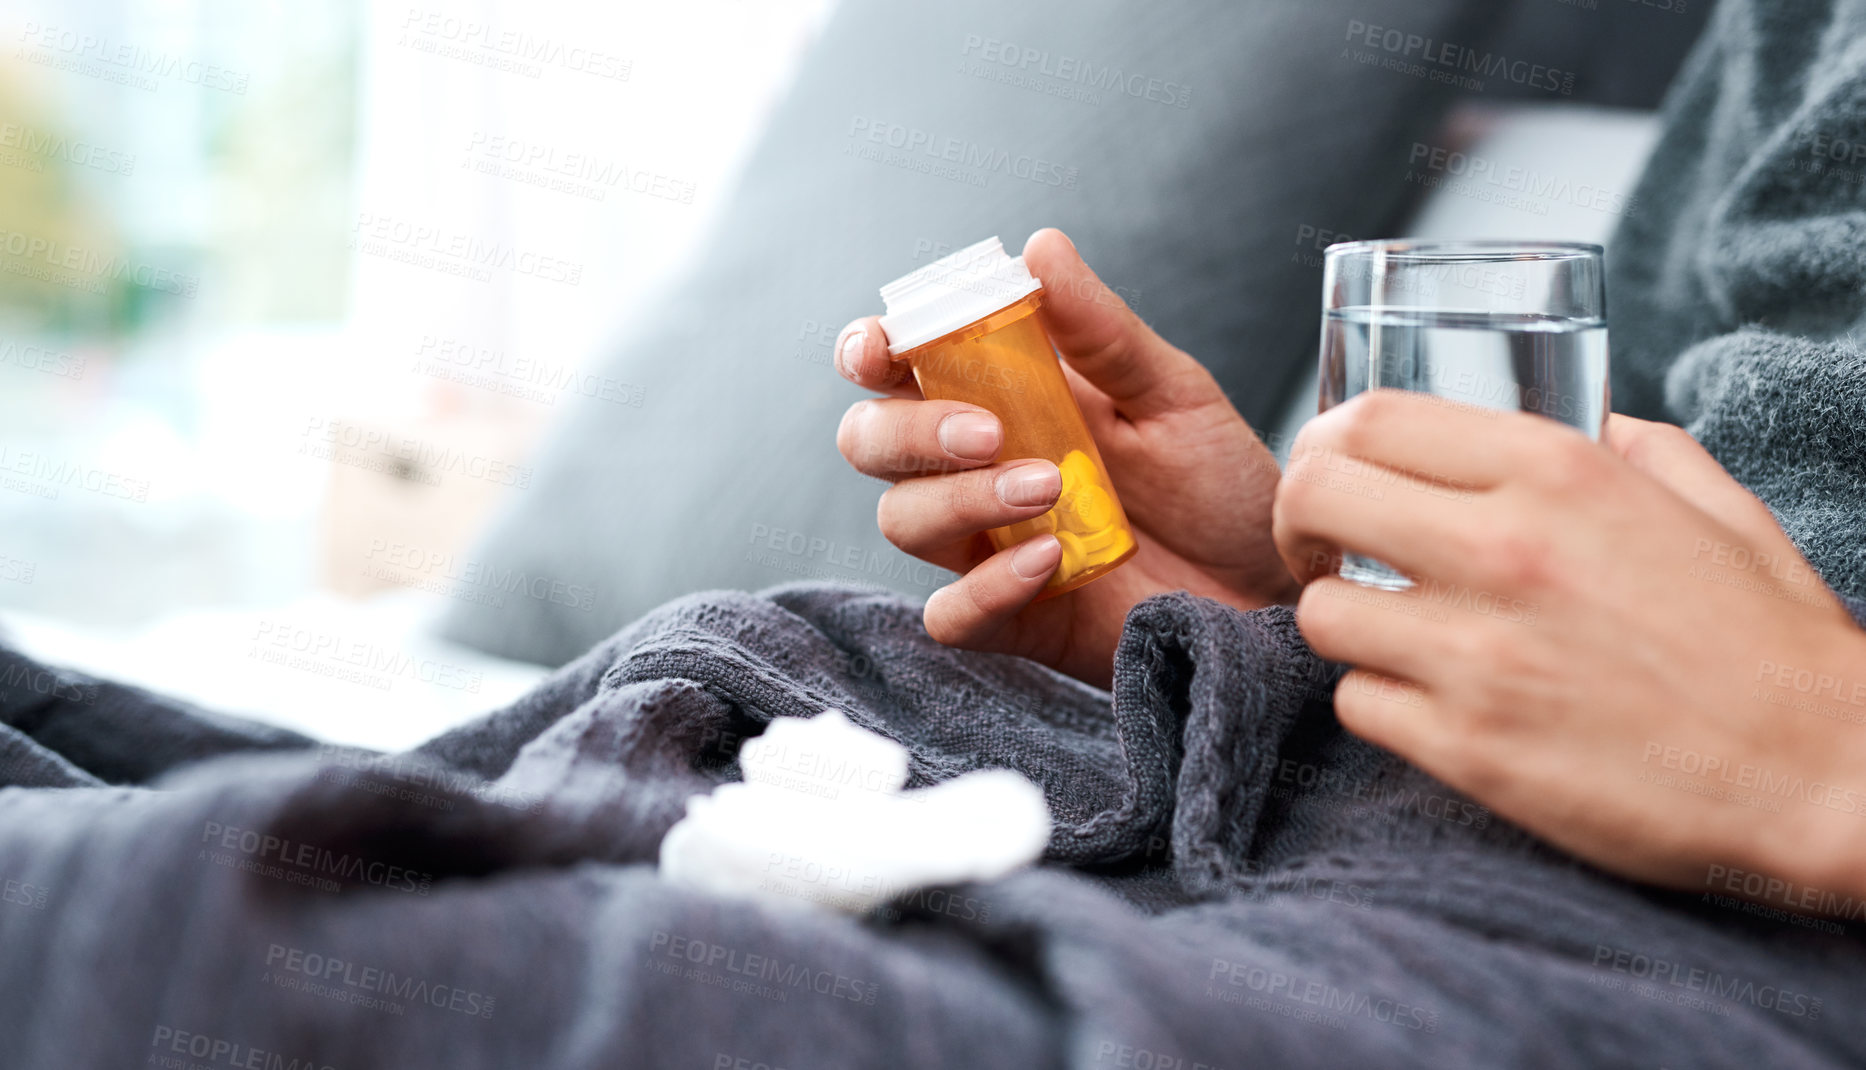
1238, 139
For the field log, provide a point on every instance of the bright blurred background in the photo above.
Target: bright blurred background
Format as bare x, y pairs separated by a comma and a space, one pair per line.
270, 273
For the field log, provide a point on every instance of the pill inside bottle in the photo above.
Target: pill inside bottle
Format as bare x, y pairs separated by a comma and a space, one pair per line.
968, 327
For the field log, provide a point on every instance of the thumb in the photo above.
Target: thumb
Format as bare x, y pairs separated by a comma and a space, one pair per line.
1671, 456
1100, 337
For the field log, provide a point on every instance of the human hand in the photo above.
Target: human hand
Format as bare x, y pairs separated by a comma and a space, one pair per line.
1196, 483
1606, 644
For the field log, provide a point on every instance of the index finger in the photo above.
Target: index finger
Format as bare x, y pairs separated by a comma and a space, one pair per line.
862, 358
1431, 438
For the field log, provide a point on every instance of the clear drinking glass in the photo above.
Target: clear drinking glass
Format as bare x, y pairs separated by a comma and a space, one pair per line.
1496, 324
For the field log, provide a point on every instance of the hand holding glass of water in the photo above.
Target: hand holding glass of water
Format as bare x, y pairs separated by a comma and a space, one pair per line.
1517, 326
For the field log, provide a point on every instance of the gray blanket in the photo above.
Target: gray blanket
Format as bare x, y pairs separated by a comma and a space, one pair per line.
1232, 880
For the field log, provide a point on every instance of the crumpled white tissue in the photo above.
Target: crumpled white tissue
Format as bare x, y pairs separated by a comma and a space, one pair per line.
821, 819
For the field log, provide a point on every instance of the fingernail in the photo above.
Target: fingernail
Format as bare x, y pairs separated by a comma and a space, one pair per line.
1037, 558
849, 352
972, 436
1030, 484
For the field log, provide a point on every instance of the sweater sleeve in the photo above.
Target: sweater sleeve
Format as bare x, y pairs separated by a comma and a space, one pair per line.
1738, 287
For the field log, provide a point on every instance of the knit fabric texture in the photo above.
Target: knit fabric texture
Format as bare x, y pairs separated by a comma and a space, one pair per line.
1231, 879
1738, 289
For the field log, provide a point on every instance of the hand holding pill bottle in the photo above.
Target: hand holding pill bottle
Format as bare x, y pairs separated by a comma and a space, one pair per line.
968, 327
992, 471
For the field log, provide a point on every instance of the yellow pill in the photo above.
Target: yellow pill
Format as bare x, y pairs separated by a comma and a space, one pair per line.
1091, 506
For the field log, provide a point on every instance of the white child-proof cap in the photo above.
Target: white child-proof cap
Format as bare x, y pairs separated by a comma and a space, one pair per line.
951, 292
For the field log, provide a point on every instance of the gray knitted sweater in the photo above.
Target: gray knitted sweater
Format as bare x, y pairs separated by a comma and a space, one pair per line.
1739, 290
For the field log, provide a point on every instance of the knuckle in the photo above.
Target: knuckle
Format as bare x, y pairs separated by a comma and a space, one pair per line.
1472, 544
1570, 464
1354, 708
849, 433
1312, 447
891, 518
1312, 604
968, 494
1295, 491
1113, 353
1489, 669
1368, 421
880, 437
1319, 616
1462, 757
1188, 385
971, 495
901, 437
958, 613
895, 439
912, 510
1467, 651
1365, 701
1512, 556
940, 622
981, 602
1484, 714
1289, 541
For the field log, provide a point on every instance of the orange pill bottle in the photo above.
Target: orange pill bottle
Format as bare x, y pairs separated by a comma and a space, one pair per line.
968, 326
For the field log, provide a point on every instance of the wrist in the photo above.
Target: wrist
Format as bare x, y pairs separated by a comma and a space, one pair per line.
1823, 850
